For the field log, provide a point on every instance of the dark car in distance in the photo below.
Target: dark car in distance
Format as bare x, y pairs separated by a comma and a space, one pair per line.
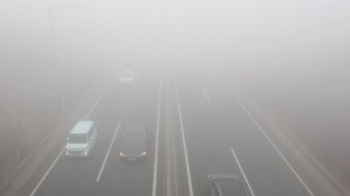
226, 185
135, 143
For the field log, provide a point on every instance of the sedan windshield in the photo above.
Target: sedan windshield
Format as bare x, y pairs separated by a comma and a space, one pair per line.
133, 140
127, 74
232, 187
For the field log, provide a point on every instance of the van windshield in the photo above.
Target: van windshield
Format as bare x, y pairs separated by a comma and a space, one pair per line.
77, 138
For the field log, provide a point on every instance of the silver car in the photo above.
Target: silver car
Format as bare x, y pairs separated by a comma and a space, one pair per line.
226, 185
128, 77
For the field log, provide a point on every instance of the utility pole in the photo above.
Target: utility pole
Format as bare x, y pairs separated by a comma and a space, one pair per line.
56, 64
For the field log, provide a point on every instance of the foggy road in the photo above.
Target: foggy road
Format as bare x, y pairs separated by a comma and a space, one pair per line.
259, 89
121, 104
219, 136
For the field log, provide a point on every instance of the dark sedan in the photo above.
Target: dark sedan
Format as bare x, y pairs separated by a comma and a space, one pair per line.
135, 143
226, 185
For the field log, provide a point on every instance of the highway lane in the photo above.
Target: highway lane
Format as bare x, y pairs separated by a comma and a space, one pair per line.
315, 186
212, 128
78, 176
207, 154
213, 123
133, 178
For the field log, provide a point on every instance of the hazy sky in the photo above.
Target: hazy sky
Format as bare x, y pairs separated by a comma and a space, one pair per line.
264, 34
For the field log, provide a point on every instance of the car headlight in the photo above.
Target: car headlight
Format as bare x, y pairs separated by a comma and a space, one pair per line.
85, 147
143, 153
122, 154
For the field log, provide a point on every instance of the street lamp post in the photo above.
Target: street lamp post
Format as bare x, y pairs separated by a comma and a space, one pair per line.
53, 40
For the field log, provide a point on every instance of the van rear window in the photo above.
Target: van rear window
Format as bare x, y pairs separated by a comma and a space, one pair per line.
77, 138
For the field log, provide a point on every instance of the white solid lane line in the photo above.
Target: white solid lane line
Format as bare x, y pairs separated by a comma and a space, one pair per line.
107, 154
268, 138
155, 167
183, 140
101, 96
242, 171
47, 172
59, 155
205, 93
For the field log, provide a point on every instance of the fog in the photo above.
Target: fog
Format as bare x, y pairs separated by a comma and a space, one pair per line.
292, 56
271, 34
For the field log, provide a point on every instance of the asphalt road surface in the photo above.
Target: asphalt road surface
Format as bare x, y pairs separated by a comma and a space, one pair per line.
209, 130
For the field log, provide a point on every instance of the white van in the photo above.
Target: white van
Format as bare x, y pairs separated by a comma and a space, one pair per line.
81, 139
